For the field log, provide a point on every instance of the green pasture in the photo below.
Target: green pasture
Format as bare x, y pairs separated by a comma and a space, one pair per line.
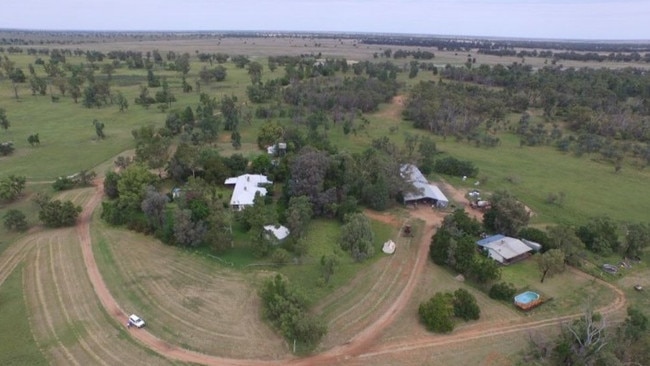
17, 344
322, 238
568, 293
592, 188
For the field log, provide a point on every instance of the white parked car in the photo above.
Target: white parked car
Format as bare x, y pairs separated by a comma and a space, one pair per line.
136, 321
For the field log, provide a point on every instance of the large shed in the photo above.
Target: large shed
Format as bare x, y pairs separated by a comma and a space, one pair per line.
424, 191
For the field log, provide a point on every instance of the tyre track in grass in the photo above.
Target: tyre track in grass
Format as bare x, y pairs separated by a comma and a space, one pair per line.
381, 289
369, 294
174, 280
86, 313
58, 264
13, 256
169, 306
45, 309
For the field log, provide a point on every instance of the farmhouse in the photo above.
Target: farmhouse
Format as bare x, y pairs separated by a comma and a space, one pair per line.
424, 191
504, 249
246, 187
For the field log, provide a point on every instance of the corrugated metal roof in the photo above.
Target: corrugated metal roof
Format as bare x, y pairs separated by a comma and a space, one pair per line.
506, 248
489, 239
246, 186
419, 181
280, 232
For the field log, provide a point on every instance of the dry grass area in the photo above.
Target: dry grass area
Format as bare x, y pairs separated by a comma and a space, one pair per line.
67, 321
354, 307
185, 299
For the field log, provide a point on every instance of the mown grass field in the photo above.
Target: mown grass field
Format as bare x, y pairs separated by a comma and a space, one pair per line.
17, 346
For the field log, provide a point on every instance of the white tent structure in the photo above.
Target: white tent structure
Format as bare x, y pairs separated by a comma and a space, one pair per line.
423, 189
389, 247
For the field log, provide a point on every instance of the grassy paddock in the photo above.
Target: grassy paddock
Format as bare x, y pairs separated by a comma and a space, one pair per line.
322, 238
17, 344
570, 293
532, 173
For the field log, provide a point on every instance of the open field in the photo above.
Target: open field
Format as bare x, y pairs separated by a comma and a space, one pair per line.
198, 310
67, 324
186, 299
17, 345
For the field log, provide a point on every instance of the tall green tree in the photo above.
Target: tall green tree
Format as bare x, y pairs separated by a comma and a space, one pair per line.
600, 235
132, 185
507, 215
4, 121
99, 129
328, 264
229, 112
12, 187
551, 263
121, 101
357, 237
151, 147
15, 220
255, 72
637, 239
564, 238
298, 216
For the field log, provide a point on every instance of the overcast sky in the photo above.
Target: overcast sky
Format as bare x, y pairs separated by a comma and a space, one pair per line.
562, 19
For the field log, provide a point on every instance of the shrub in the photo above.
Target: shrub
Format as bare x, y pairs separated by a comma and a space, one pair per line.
57, 213
281, 256
455, 167
502, 291
6, 148
15, 220
465, 306
286, 309
62, 184
437, 313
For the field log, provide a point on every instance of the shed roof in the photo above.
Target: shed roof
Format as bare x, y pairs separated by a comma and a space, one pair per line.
483, 242
506, 248
279, 231
423, 189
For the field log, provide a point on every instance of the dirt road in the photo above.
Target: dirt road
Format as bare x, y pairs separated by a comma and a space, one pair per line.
357, 348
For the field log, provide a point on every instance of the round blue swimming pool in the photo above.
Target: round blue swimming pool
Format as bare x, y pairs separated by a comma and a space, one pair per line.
526, 297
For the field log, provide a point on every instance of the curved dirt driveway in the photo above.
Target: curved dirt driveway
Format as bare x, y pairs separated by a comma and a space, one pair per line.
359, 346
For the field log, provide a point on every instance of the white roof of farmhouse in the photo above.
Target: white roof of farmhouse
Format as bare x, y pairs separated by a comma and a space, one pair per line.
246, 186
423, 189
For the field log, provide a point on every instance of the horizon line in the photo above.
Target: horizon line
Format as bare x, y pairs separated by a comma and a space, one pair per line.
332, 32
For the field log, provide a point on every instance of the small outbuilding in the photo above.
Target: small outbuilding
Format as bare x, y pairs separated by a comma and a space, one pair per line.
276, 232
